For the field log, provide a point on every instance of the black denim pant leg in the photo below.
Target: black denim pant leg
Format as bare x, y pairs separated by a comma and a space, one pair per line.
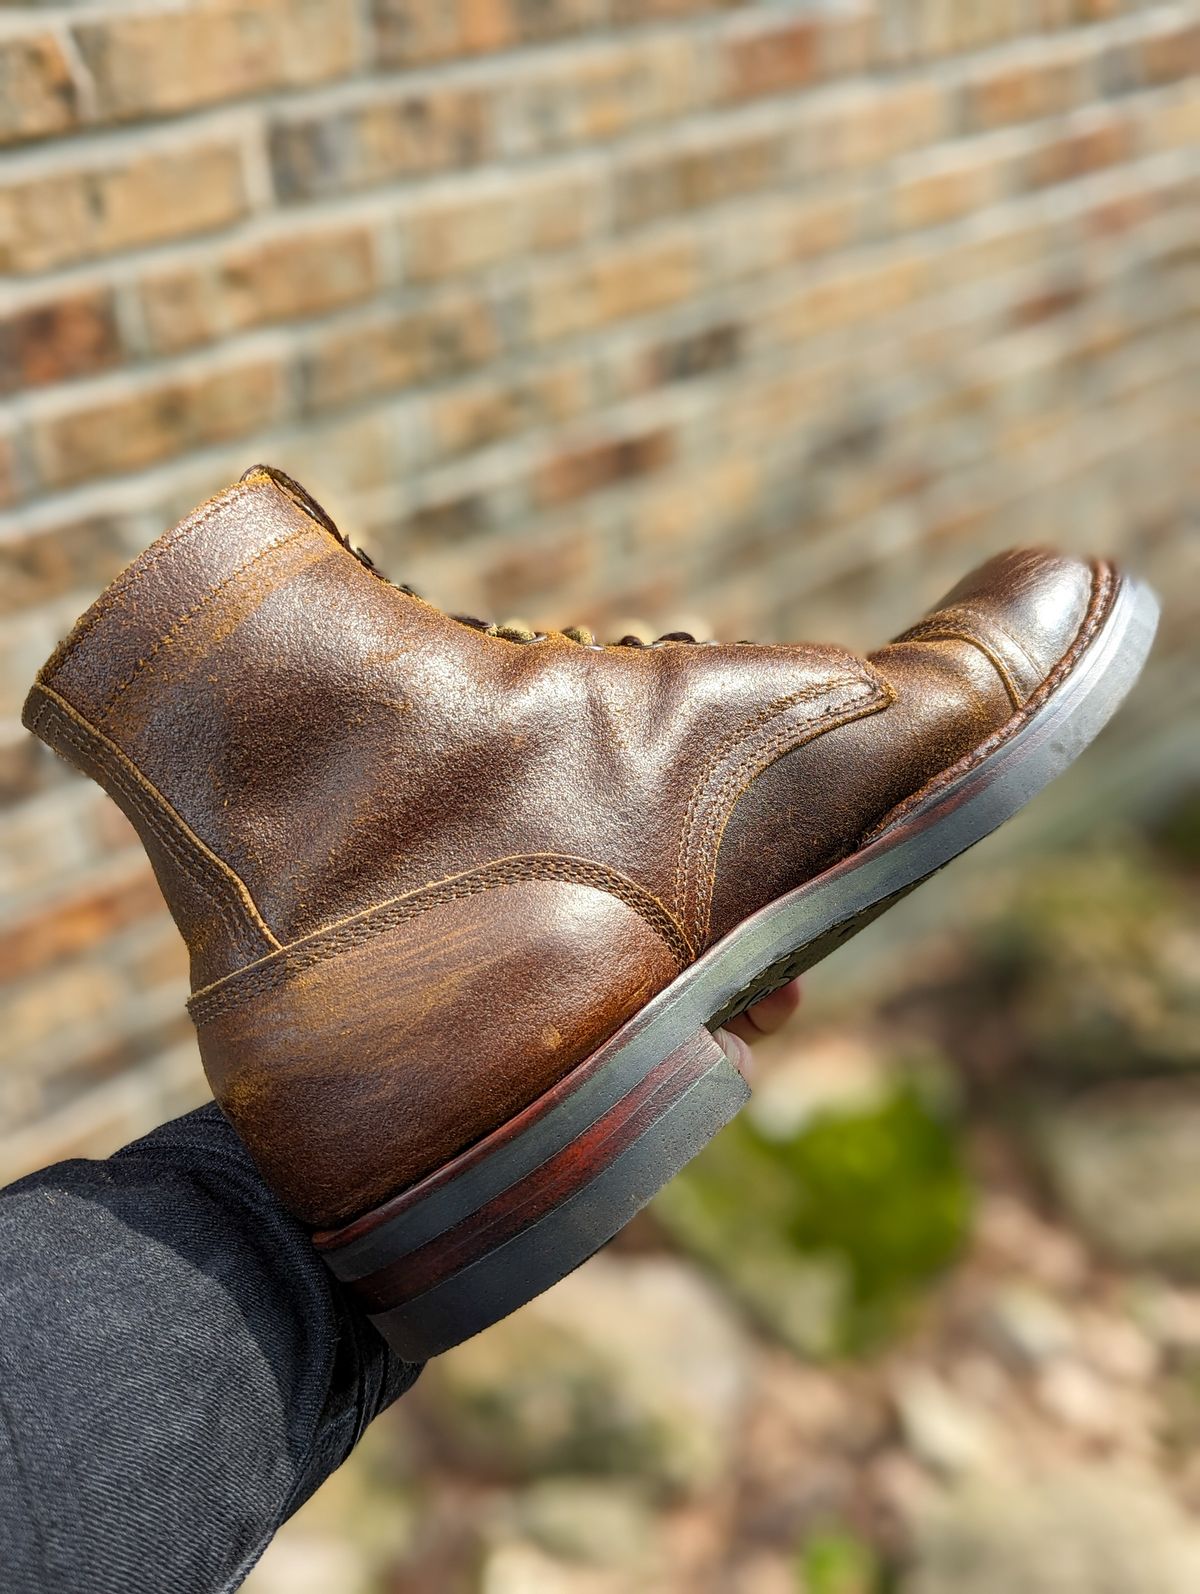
178, 1372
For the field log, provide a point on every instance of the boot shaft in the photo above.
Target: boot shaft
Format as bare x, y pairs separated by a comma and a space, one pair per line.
297, 740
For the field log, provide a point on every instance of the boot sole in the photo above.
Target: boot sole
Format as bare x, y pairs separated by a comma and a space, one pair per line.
522, 1208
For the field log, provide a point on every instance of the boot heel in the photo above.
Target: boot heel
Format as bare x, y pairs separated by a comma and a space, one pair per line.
522, 1208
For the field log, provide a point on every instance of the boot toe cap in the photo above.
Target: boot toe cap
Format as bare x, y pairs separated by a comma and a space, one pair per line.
1023, 608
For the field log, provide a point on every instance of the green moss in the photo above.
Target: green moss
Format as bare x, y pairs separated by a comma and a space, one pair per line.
844, 1221
833, 1561
885, 1192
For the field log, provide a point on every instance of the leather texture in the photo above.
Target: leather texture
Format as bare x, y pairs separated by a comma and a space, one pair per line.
424, 869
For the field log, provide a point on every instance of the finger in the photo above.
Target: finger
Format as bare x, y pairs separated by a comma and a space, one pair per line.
769, 1014
736, 1049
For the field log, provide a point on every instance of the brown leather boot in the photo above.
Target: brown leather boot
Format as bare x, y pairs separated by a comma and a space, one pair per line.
463, 904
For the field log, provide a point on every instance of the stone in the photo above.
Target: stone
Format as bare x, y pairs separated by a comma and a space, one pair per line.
1079, 1400
631, 1367
520, 1568
941, 1428
1083, 1530
1123, 1162
599, 1522
1098, 957
1027, 1327
1119, 1348
305, 1564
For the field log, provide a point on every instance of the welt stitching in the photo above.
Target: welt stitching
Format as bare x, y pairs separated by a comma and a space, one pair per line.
189, 614
736, 779
1103, 585
779, 744
729, 741
171, 841
230, 992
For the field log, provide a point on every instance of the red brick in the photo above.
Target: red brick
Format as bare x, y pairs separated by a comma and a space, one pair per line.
941, 188
622, 283
466, 232
1175, 125
629, 13
842, 298
58, 339
11, 485
38, 93
773, 60
72, 925
43, 565
449, 236
77, 214
525, 574
181, 307
175, 58
330, 152
408, 32
1059, 298
866, 124
561, 212
1167, 54
301, 274
559, 101
278, 279
1079, 152
1022, 91
448, 520
661, 185
83, 994
411, 32
485, 412
392, 349
580, 471
486, 25
26, 768
130, 430
696, 354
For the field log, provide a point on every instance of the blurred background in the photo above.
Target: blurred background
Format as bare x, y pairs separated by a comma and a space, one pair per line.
757, 319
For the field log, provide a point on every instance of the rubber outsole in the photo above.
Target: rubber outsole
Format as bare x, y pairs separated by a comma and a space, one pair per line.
525, 1206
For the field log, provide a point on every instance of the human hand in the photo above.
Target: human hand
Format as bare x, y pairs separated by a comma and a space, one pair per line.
761, 1019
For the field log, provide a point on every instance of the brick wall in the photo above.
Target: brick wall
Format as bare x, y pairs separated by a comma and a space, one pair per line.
763, 316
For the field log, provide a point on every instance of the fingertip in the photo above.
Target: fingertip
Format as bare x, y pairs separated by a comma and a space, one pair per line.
737, 1050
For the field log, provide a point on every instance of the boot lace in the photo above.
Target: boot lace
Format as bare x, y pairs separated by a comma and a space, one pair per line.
510, 631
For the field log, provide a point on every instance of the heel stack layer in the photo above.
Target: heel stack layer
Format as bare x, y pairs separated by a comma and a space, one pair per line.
567, 1190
